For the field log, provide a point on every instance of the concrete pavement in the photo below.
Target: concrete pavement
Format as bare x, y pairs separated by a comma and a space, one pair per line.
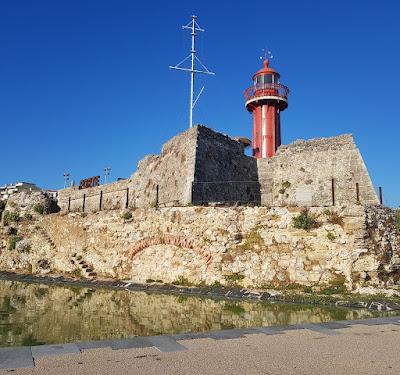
368, 346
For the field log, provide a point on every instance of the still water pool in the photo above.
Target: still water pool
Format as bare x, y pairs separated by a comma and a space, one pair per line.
34, 314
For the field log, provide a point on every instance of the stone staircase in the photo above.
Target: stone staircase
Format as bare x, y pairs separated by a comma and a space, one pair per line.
87, 271
47, 238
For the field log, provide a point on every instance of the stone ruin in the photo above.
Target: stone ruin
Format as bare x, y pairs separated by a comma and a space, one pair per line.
354, 243
203, 167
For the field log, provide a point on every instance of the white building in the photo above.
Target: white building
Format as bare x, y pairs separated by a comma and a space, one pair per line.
7, 191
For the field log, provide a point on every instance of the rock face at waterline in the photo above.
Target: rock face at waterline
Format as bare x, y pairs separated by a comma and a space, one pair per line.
256, 247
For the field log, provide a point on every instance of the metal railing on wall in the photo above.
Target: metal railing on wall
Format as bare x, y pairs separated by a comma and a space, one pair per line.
101, 194
213, 192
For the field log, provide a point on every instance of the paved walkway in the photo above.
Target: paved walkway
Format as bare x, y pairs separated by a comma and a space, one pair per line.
369, 346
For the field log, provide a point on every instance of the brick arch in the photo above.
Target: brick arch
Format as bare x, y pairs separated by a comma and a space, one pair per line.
169, 239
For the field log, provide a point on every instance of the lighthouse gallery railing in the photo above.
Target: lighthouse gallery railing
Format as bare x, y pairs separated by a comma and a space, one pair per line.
267, 89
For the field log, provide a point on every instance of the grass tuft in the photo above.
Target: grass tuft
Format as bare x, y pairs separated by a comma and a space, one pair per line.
331, 236
11, 217
38, 208
127, 215
12, 242
333, 217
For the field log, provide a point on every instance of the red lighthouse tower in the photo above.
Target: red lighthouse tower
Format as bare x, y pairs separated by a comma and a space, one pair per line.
266, 99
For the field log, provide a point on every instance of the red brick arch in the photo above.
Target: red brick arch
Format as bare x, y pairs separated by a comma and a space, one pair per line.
169, 239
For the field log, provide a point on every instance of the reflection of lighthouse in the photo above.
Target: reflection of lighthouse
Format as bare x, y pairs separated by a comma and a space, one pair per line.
266, 99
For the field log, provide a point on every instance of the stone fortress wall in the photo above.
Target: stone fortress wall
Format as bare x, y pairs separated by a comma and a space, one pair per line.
223, 173
201, 166
197, 166
316, 172
160, 180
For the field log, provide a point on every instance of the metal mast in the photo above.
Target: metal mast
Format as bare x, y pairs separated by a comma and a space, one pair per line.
193, 26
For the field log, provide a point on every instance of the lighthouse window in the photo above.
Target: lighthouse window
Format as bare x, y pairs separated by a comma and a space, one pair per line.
267, 78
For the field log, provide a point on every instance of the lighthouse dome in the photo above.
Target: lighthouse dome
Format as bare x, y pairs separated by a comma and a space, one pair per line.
266, 75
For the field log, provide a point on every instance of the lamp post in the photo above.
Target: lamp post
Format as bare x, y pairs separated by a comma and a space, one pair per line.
66, 178
107, 171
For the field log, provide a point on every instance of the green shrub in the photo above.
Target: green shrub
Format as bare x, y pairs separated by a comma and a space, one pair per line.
11, 217
38, 208
127, 215
398, 220
27, 216
331, 236
234, 278
308, 289
305, 221
12, 242
336, 287
2, 205
83, 214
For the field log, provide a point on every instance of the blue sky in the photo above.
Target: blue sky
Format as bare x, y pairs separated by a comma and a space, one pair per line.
85, 84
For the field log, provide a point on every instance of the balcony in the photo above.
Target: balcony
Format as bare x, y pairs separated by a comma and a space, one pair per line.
267, 91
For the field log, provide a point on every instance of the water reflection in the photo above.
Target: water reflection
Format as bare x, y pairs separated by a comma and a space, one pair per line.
34, 314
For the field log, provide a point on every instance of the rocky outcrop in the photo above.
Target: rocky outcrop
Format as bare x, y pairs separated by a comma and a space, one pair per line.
31, 202
382, 239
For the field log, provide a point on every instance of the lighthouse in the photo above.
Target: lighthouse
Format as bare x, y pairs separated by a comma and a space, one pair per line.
266, 99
